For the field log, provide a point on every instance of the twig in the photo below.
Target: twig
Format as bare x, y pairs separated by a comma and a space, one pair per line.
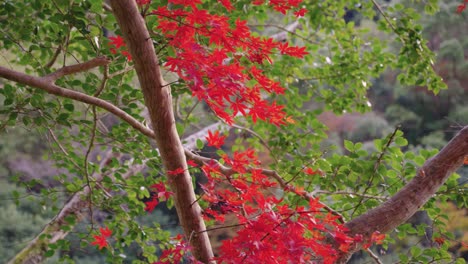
376, 166
54, 57
379, 8
86, 165
352, 193
123, 71
105, 77
80, 67
374, 256
255, 134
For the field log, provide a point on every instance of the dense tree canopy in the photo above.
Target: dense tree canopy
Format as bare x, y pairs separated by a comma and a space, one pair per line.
219, 110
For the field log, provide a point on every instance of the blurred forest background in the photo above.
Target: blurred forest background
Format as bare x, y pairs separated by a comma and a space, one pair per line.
428, 122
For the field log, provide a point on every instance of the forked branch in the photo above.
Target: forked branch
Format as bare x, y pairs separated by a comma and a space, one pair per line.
413, 195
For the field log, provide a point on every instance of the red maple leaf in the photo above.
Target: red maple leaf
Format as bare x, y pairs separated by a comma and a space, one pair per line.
227, 4
127, 54
377, 237
309, 171
192, 163
105, 232
176, 252
301, 12
101, 240
214, 139
298, 52
162, 191
151, 204
176, 171
117, 42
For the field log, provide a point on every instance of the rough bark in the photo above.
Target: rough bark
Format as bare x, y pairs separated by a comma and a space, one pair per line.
413, 195
157, 95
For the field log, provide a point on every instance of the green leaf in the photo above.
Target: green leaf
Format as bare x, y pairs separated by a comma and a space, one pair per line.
200, 143
401, 141
69, 107
378, 143
419, 160
415, 251
49, 253
349, 145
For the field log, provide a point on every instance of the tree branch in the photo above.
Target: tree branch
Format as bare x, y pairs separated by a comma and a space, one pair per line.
414, 195
80, 67
46, 84
383, 198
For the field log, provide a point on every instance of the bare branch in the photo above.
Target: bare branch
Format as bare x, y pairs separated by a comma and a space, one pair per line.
377, 197
80, 67
374, 256
54, 57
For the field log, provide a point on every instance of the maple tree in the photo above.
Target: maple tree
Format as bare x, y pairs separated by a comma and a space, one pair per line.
209, 53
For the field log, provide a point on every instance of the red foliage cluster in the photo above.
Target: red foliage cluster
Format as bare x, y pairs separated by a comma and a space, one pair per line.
220, 59
272, 231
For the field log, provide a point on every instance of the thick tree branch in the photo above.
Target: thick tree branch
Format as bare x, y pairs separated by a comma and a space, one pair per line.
158, 99
414, 195
46, 84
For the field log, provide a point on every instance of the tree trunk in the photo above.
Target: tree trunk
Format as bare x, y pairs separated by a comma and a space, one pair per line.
157, 95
